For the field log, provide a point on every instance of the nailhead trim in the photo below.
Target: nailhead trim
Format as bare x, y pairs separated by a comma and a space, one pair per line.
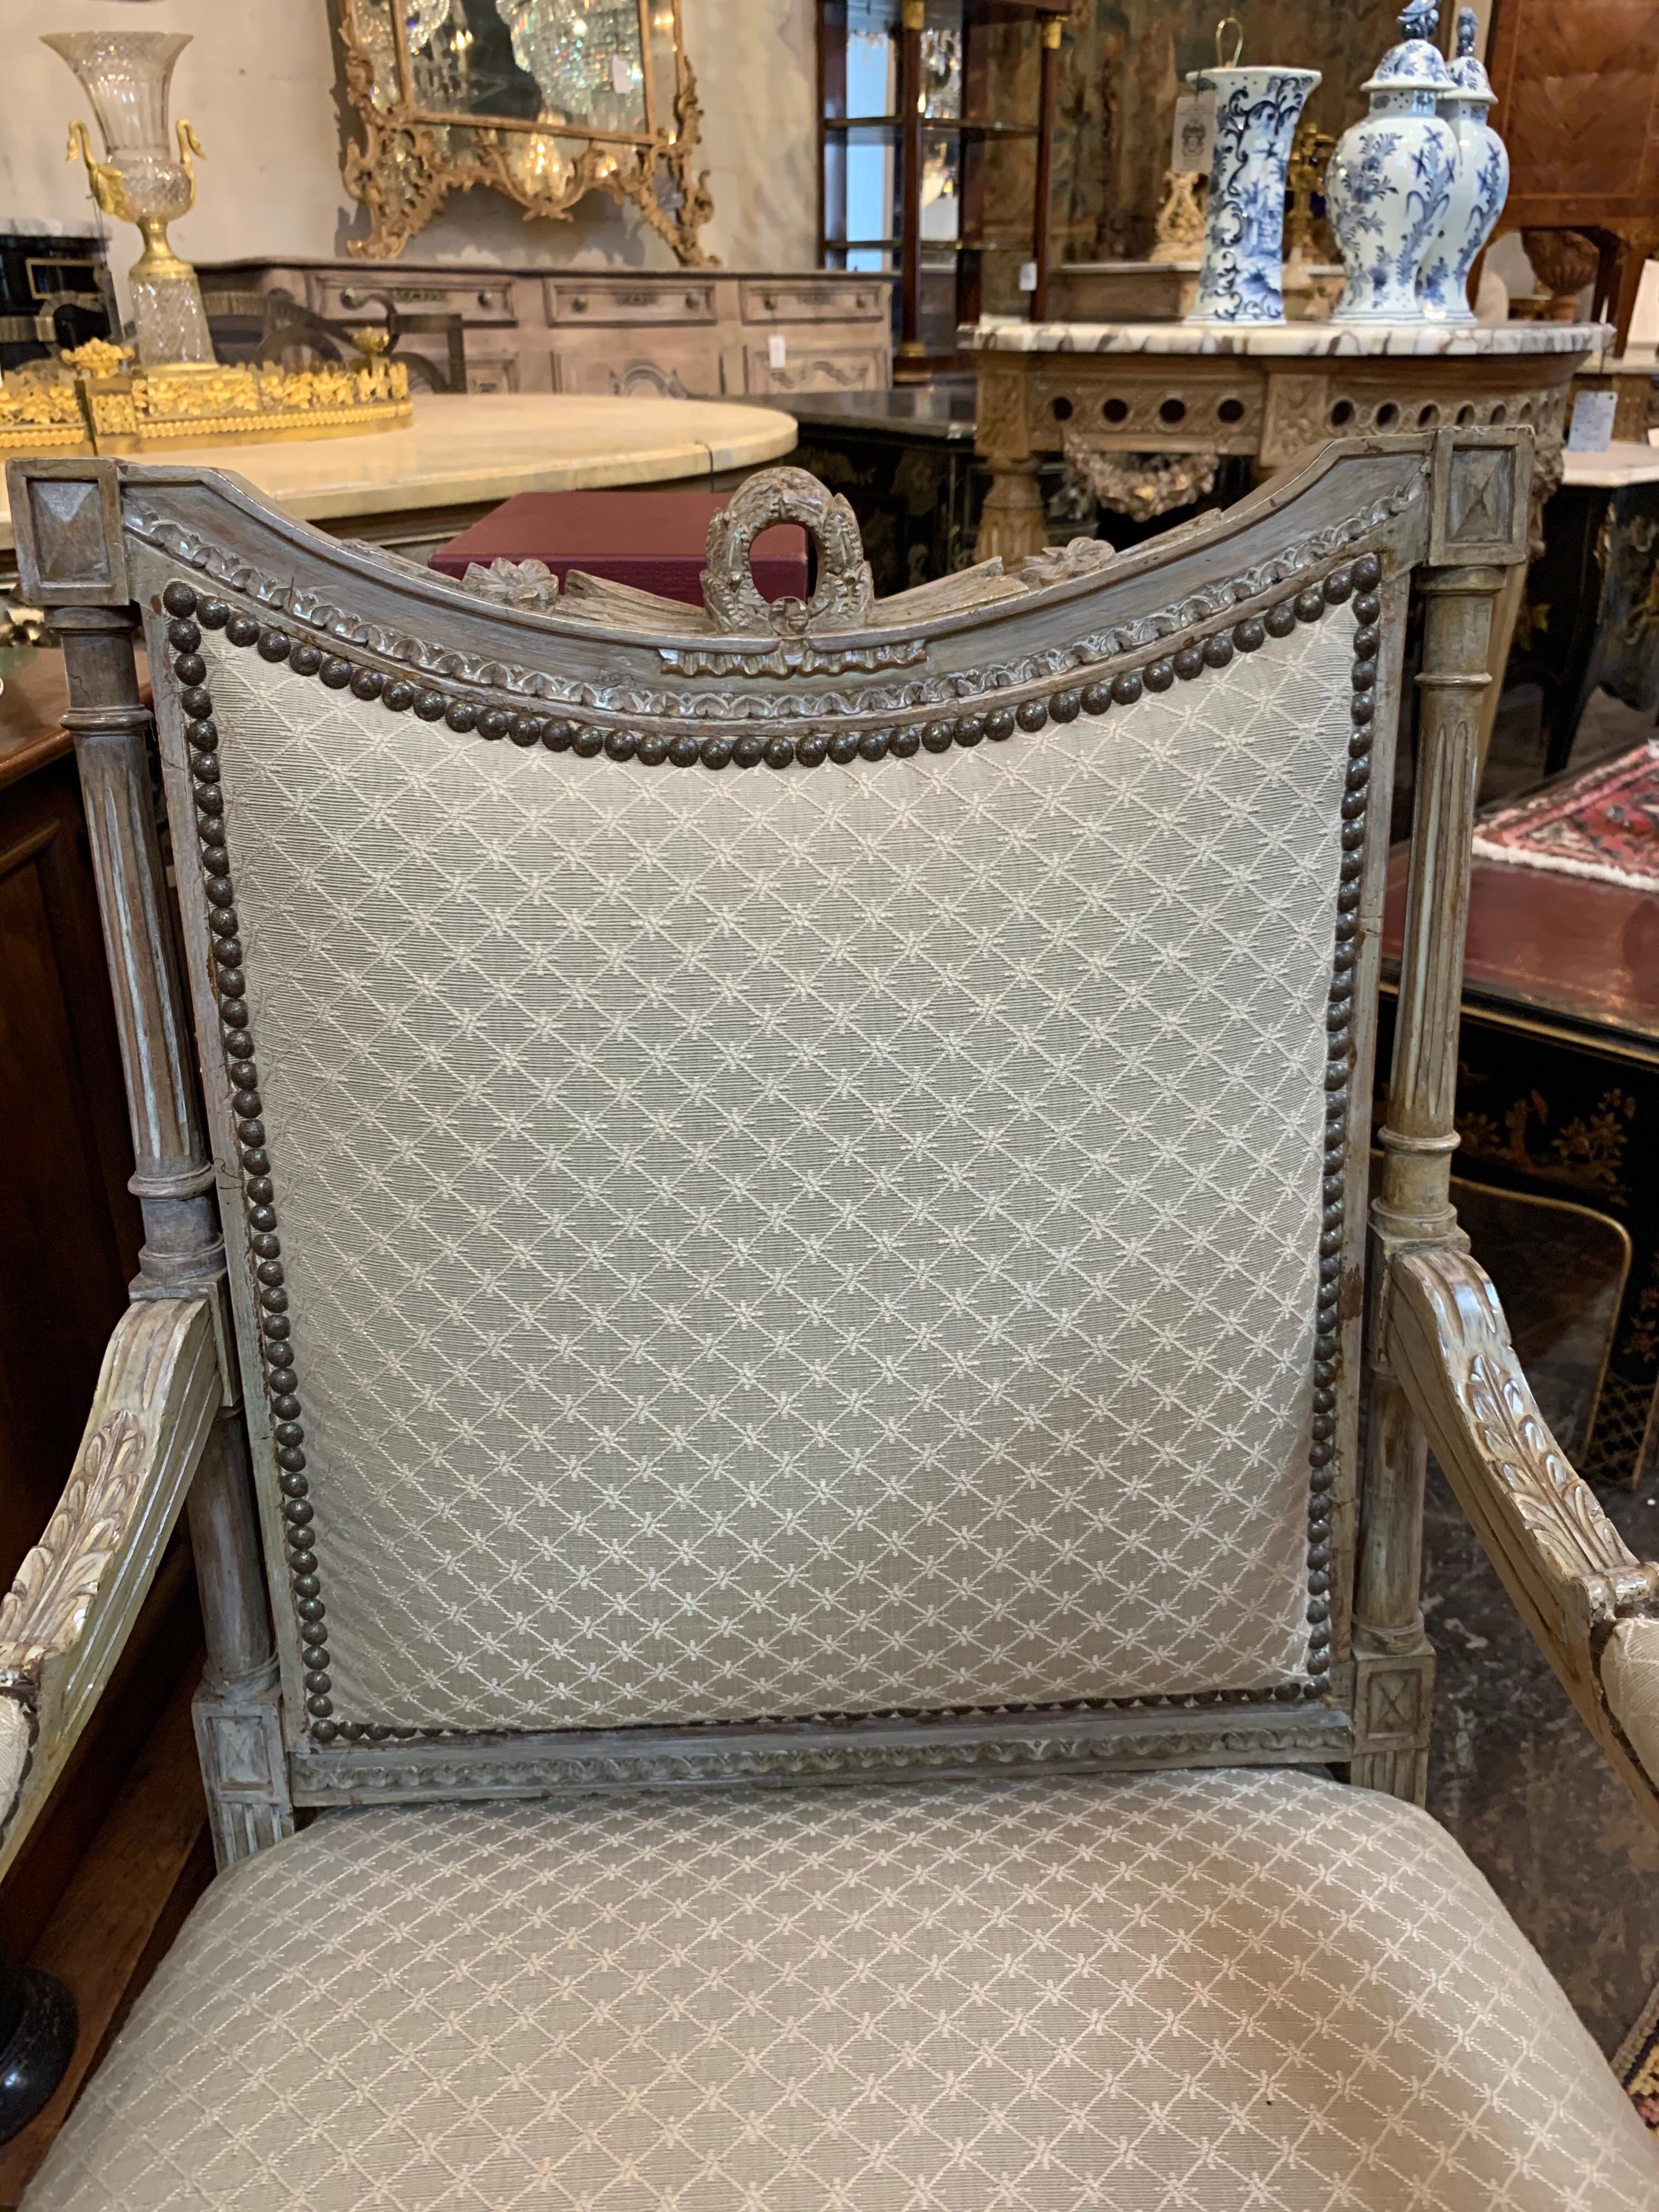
264, 1241
191, 613
1358, 584
1183, 662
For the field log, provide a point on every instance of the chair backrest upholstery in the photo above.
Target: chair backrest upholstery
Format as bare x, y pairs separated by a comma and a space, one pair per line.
763, 1244
791, 1165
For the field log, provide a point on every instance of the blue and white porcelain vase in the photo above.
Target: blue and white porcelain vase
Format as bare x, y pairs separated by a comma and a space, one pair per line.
1480, 184
1241, 276
1388, 180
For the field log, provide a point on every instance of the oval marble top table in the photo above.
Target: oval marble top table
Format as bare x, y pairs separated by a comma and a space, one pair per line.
467, 451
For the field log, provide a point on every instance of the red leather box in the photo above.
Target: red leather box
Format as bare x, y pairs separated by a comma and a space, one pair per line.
654, 540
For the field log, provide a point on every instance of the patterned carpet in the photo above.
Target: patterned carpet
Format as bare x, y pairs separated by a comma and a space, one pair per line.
1636, 2064
1603, 823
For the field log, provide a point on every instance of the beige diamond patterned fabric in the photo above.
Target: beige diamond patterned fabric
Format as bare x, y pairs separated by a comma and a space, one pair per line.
1223, 1992
766, 1244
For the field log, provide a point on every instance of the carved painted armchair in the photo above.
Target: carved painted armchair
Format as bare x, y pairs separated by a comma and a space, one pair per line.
791, 1185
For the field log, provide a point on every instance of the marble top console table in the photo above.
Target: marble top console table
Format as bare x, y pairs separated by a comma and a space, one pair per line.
1271, 392
1171, 399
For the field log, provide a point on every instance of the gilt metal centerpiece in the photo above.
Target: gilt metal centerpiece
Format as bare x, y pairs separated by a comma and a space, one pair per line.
167, 384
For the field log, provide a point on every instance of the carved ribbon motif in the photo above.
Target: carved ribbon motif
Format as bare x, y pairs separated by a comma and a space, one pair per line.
821, 654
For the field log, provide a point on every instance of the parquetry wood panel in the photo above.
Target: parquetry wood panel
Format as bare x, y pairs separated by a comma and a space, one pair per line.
1578, 107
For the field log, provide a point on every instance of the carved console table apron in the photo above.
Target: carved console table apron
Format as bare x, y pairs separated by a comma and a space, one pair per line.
1271, 393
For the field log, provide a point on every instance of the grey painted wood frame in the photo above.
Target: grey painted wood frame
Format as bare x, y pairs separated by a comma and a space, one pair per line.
974, 655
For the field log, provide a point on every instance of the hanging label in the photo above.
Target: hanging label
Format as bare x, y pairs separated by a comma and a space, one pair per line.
1028, 275
1592, 422
776, 351
1192, 145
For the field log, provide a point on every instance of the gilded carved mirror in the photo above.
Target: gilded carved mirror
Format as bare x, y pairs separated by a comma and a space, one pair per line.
546, 101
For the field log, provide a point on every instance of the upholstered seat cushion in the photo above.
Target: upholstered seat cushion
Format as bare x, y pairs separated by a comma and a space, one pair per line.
1197, 1992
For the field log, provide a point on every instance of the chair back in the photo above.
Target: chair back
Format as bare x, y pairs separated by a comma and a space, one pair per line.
792, 1175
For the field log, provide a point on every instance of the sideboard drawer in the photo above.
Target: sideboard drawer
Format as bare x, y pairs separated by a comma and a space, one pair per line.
474, 299
794, 300
583, 299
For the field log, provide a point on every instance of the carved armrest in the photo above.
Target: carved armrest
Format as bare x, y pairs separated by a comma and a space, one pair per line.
78, 1591
1591, 1604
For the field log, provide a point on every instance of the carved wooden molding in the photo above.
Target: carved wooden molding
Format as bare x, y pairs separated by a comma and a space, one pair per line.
78, 1591
686, 644
1126, 1741
1393, 1705
1569, 1570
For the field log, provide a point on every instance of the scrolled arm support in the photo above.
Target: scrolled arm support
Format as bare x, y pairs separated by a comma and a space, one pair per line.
77, 1593
1591, 1604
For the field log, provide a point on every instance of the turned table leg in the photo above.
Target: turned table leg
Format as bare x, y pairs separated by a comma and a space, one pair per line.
1506, 609
1012, 521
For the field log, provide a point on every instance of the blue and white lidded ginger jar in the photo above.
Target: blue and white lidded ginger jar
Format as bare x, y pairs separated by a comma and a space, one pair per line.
1241, 275
1389, 179
1479, 186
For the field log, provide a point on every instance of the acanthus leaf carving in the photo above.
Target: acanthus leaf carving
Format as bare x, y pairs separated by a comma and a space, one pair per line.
1455, 1343
1556, 1504
47, 1606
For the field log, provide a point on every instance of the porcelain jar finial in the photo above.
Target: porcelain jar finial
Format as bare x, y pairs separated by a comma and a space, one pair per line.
1480, 183
1241, 276
1388, 180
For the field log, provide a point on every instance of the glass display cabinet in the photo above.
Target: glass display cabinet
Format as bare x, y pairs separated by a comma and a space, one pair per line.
936, 132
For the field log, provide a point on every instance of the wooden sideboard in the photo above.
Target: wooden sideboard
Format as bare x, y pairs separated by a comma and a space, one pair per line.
678, 334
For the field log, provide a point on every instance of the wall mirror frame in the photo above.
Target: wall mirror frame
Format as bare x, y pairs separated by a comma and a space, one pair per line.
545, 101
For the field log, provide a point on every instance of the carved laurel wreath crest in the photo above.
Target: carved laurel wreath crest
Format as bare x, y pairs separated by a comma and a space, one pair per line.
846, 591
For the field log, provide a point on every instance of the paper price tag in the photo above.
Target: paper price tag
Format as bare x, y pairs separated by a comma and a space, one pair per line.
1028, 275
1592, 422
776, 351
1192, 145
